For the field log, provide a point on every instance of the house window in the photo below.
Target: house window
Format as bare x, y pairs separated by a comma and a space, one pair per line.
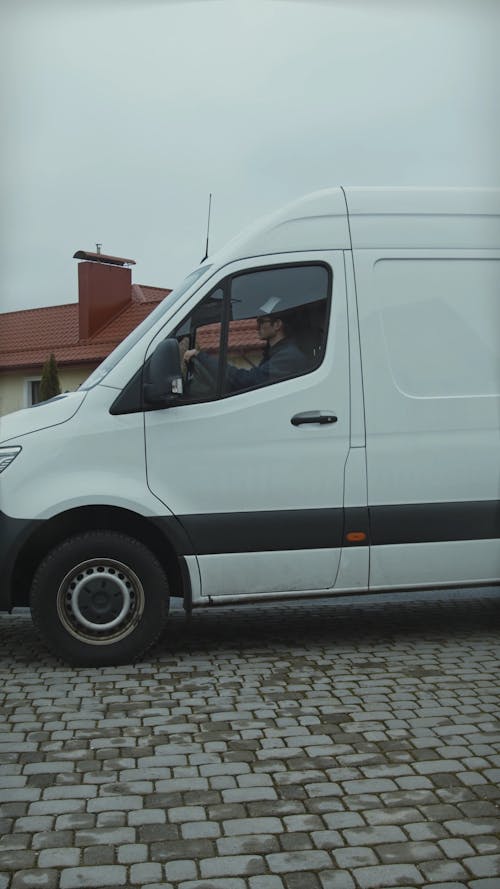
32, 391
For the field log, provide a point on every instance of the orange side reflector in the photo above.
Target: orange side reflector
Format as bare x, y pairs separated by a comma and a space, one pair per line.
355, 536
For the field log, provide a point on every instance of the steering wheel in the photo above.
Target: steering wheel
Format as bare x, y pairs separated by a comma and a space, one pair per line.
201, 380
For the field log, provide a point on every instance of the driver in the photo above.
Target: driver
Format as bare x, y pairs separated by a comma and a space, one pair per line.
282, 358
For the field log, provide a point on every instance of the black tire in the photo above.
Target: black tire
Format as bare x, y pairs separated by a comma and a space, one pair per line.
100, 598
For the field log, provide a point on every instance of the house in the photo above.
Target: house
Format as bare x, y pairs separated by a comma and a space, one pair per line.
82, 334
79, 334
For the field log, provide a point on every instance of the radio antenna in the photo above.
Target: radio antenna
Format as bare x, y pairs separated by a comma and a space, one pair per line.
208, 225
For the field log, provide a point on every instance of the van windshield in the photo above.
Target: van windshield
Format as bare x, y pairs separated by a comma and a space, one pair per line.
135, 335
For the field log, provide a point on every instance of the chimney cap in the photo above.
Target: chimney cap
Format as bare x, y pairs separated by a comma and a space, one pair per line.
103, 258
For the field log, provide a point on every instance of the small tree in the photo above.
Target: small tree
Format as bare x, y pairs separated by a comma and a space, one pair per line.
49, 384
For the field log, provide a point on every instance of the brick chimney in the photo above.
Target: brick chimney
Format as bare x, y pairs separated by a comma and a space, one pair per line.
104, 289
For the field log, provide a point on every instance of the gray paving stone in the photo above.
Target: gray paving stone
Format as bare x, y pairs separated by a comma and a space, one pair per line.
409, 852
245, 826
123, 803
456, 848
369, 785
327, 839
289, 862
249, 794
336, 879
147, 872
266, 881
385, 876
200, 829
171, 850
57, 807
111, 819
393, 816
295, 842
423, 830
132, 853
61, 857
13, 860
232, 865
187, 813
471, 826
219, 883
153, 833
15, 841
75, 821
486, 845
354, 856
447, 885
486, 883
139, 817
56, 766
19, 794
256, 844
105, 836
341, 820
98, 855
33, 879
93, 877
175, 871
373, 836
484, 865
443, 870
302, 880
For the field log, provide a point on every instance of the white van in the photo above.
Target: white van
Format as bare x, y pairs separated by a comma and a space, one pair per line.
336, 429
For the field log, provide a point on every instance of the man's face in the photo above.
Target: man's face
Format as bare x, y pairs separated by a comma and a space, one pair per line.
267, 328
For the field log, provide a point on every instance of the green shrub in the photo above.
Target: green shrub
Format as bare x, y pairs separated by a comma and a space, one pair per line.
49, 384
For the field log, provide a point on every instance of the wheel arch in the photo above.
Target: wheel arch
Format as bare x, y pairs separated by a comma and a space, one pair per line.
54, 531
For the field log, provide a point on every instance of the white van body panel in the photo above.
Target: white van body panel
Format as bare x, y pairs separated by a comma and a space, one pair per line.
49, 413
315, 222
82, 462
354, 567
264, 573
430, 218
355, 369
429, 325
424, 565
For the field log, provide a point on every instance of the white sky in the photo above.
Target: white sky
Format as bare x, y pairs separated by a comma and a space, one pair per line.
120, 116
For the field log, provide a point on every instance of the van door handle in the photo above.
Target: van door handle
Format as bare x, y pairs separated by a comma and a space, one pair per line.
313, 417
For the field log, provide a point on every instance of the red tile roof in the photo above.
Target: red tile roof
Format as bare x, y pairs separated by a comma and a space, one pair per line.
243, 337
28, 337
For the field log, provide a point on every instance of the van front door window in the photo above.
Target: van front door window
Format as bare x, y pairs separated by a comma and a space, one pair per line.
258, 328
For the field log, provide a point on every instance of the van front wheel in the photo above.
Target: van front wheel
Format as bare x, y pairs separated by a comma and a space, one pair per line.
100, 598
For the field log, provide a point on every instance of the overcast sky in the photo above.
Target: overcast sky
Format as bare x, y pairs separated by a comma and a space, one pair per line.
120, 116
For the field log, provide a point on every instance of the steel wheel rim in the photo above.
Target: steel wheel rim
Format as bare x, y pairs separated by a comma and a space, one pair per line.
100, 601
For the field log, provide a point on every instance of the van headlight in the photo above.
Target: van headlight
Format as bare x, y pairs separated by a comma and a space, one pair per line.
7, 455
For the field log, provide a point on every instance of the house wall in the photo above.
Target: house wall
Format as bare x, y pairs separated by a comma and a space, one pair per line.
14, 384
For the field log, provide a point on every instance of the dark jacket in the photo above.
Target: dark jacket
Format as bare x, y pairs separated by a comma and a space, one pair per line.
279, 362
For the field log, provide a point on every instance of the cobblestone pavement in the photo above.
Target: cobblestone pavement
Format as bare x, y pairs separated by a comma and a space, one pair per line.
350, 744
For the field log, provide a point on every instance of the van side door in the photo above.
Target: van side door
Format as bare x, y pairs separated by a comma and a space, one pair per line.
253, 466
431, 364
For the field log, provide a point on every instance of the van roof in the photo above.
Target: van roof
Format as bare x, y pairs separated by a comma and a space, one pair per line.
338, 218
416, 200
424, 218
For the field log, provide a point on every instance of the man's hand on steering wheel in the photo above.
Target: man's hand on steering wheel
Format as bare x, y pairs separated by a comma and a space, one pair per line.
188, 354
200, 379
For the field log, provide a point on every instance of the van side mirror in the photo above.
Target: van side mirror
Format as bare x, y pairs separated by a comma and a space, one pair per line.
163, 383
